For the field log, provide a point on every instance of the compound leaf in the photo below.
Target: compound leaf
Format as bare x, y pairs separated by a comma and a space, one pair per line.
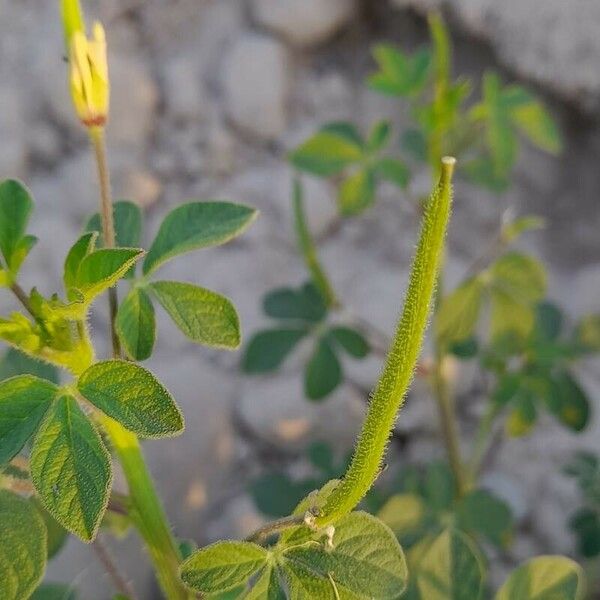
269, 348
323, 372
136, 324
352, 341
15, 208
303, 304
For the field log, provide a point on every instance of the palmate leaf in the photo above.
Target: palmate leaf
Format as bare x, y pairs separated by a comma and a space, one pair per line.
70, 469
205, 317
136, 324
268, 349
22, 547
323, 372
302, 304
131, 395
357, 192
24, 400
197, 225
481, 512
544, 578
352, 341
399, 74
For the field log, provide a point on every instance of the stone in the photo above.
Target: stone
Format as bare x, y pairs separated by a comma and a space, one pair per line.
256, 85
13, 151
181, 82
141, 187
304, 22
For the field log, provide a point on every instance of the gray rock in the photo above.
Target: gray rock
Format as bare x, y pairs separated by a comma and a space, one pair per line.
304, 22
13, 151
256, 84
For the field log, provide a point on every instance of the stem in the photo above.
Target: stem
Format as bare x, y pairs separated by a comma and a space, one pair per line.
398, 370
275, 527
308, 249
121, 584
108, 226
482, 441
147, 511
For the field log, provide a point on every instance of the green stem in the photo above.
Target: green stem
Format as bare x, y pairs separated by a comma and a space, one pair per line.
308, 248
482, 441
388, 396
148, 513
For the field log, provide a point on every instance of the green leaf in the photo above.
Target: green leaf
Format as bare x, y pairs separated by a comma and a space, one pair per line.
128, 224
587, 333
205, 317
482, 512
101, 269
439, 486
365, 562
451, 569
399, 74
403, 513
132, 396
548, 322
534, 121
523, 415
21, 252
24, 400
415, 143
304, 304
356, 192
568, 401
56, 534
22, 547
544, 578
458, 312
379, 136
15, 362
483, 172
512, 230
585, 523
351, 341
80, 249
269, 348
136, 324
394, 171
329, 151
54, 591
267, 587
222, 566
276, 494
323, 372
70, 469
15, 208
197, 225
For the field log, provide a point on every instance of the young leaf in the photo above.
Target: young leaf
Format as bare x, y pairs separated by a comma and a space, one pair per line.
15, 208
197, 225
70, 469
394, 171
534, 121
132, 396
22, 547
222, 566
399, 74
303, 304
136, 324
80, 249
357, 192
205, 317
544, 578
24, 400
403, 513
101, 269
329, 151
366, 560
351, 341
323, 372
128, 224
269, 348
451, 569
379, 136
481, 512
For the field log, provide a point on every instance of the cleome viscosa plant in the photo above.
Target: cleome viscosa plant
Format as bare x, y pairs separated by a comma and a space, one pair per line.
67, 415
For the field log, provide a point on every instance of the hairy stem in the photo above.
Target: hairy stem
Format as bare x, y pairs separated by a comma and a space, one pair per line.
146, 511
308, 249
275, 527
399, 367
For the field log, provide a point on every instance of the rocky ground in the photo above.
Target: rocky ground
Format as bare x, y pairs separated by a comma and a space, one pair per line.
207, 97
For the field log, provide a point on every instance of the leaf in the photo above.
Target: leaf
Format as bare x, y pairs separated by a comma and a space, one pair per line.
351, 341
587, 333
329, 151
512, 230
451, 569
585, 523
54, 591
56, 534
458, 312
399, 74
534, 121
24, 400
222, 566
356, 192
394, 171
205, 317
365, 562
136, 324
15, 208
304, 304
267, 587
548, 322
276, 494
101, 269
379, 136
523, 415
197, 225
568, 401
323, 372
22, 547
544, 578
70, 469
128, 224
414, 142
482, 512
132, 396
403, 513
16, 363
269, 348
439, 486
79, 250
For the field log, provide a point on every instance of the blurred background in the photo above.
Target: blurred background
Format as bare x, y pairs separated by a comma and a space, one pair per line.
207, 98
